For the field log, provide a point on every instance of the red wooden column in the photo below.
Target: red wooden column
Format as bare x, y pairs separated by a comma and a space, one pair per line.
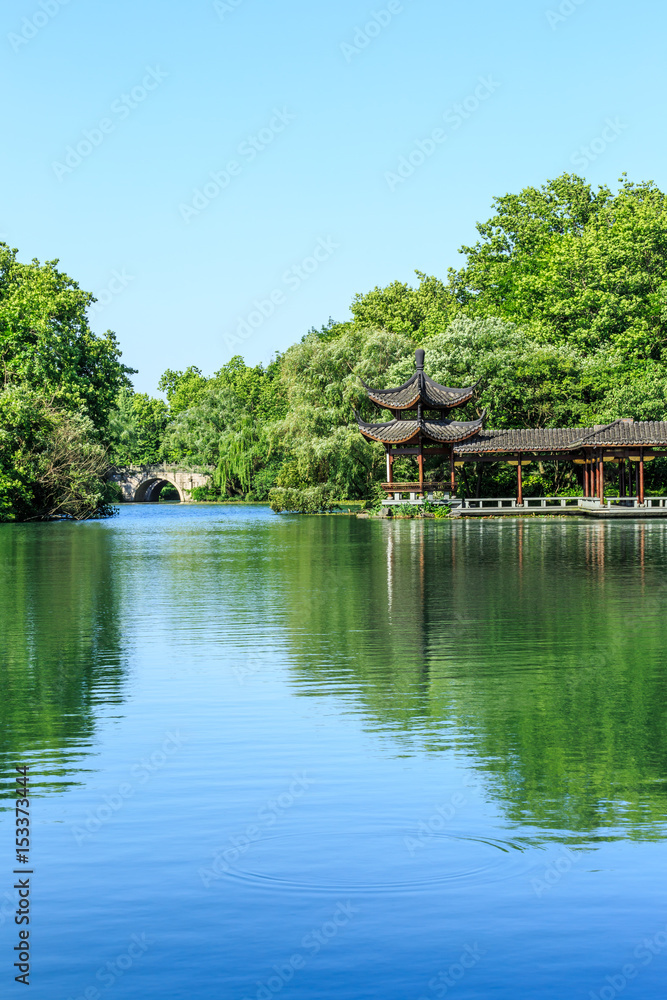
585, 483
420, 459
452, 470
640, 491
621, 477
390, 467
600, 478
519, 479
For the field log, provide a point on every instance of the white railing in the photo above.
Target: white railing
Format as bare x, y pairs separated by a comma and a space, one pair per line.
534, 502
634, 502
479, 504
529, 503
551, 501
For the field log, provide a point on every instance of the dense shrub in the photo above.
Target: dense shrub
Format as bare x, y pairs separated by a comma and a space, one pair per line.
311, 500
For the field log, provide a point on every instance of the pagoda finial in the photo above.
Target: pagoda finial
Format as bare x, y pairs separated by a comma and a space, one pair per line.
419, 359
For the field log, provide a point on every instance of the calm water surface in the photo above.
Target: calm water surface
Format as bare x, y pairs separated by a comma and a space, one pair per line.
322, 757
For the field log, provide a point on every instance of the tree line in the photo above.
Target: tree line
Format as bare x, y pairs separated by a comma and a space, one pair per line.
559, 310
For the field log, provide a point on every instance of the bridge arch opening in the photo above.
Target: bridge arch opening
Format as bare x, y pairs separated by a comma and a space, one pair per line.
149, 491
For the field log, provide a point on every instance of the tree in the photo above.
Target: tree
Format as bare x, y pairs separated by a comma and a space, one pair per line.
51, 464
319, 433
136, 429
413, 312
59, 385
183, 389
259, 390
585, 268
46, 343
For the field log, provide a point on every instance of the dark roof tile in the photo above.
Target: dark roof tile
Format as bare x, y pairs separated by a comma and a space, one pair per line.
401, 431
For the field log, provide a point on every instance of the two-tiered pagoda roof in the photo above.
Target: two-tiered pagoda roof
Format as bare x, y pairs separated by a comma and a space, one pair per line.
420, 393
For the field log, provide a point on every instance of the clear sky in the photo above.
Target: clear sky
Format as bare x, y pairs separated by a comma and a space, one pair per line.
225, 175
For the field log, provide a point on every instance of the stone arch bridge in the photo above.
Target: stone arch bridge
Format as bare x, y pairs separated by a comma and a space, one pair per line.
144, 483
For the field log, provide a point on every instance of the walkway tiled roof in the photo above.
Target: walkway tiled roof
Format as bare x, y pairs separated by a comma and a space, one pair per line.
618, 434
622, 433
525, 439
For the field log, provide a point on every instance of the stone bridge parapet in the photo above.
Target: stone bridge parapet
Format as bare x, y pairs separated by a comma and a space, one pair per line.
144, 483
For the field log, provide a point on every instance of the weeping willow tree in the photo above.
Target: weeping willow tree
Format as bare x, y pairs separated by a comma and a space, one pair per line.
220, 431
243, 450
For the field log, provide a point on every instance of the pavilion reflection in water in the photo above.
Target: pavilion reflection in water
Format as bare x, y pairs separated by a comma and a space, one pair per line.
533, 649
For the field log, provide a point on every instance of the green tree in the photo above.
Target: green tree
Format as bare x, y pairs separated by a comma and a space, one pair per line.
319, 433
136, 429
59, 385
413, 312
585, 268
46, 343
258, 390
183, 389
51, 463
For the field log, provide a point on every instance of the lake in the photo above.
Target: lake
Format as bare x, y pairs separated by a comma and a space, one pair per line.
323, 757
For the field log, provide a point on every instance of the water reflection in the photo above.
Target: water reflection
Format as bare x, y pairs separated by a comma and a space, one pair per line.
62, 651
535, 647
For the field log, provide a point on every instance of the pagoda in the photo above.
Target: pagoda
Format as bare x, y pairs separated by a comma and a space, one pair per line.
420, 424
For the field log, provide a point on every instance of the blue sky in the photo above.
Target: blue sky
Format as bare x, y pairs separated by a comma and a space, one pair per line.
225, 175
